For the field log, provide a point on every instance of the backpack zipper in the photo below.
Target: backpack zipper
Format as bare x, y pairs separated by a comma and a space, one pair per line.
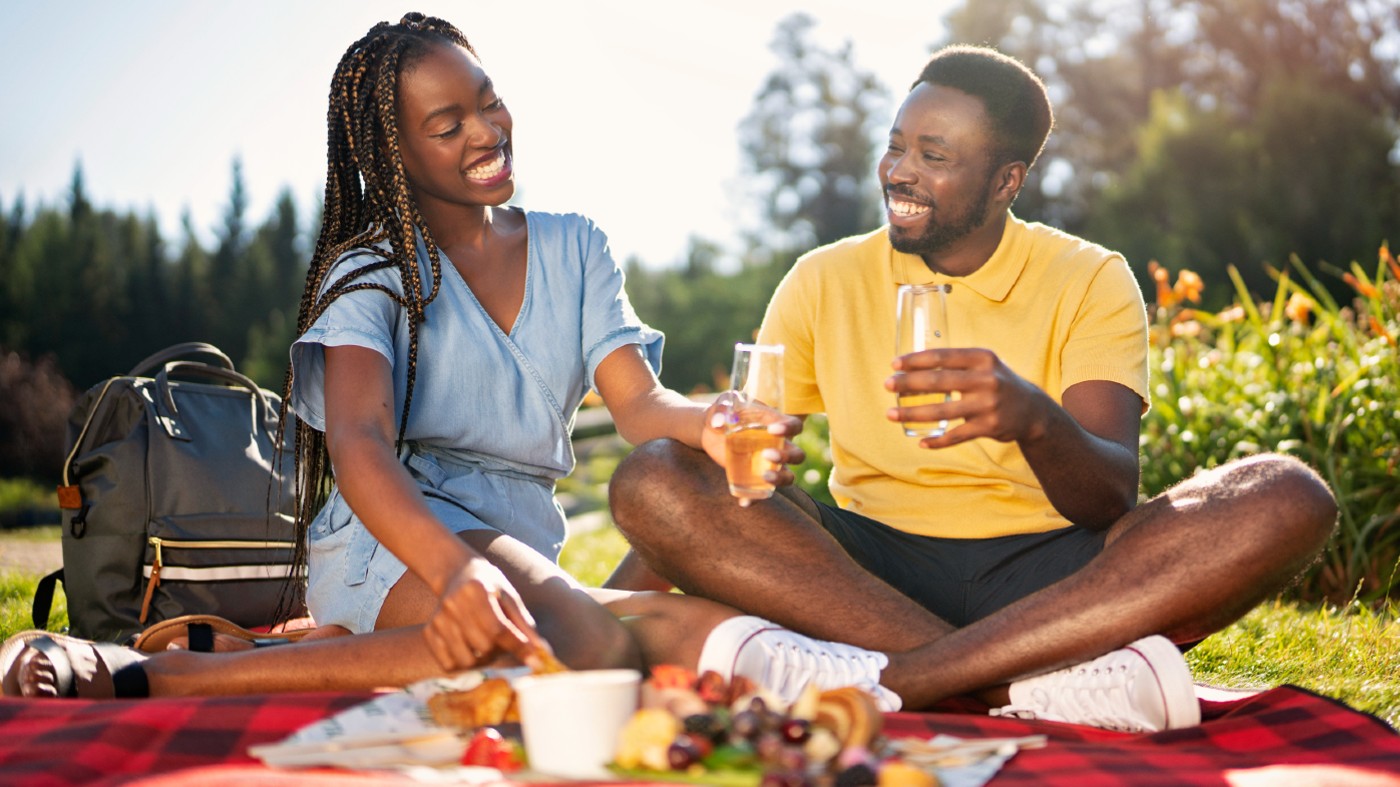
160, 543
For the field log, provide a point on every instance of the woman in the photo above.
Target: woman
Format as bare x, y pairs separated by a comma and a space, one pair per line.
446, 342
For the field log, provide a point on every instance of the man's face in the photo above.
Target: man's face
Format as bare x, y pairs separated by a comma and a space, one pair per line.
937, 172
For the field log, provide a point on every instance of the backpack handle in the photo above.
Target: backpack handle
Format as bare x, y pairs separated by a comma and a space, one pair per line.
173, 352
169, 414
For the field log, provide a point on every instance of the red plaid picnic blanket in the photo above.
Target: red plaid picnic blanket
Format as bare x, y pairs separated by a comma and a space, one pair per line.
1283, 736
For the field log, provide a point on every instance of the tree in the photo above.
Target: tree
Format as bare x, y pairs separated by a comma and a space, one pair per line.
190, 289
275, 265
1232, 124
809, 143
1105, 60
9, 237
702, 311
234, 283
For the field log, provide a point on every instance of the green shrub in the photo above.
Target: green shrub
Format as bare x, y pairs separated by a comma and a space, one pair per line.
1301, 375
25, 502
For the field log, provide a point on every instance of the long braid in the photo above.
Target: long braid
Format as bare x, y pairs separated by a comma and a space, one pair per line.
367, 201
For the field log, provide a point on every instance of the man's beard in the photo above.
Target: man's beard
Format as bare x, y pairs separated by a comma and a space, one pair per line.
939, 235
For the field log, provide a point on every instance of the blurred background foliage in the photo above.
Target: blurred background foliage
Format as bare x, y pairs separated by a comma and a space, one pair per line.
1254, 143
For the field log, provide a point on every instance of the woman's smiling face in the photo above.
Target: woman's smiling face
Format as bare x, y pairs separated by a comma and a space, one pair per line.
454, 131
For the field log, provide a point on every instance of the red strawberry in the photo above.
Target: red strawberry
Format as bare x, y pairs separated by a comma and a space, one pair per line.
485, 747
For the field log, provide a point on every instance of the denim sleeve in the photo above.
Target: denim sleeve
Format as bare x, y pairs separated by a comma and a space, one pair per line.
363, 318
609, 322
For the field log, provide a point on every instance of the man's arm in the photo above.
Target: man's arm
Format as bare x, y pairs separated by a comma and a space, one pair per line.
1084, 453
1086, 458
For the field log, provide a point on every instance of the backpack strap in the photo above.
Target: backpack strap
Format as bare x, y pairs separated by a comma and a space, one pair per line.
173, 352
43, 599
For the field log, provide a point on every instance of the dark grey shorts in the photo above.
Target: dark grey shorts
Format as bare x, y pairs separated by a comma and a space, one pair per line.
961, 579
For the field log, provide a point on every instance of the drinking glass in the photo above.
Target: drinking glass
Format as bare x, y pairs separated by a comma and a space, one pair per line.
921, 324
757, 388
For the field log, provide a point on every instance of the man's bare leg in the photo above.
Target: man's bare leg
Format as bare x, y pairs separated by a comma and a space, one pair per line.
1184, 564
771, 559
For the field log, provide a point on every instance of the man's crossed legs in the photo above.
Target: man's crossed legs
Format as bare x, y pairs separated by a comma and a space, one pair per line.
1182, 565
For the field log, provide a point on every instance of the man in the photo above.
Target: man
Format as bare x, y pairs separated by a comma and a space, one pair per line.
1006, 558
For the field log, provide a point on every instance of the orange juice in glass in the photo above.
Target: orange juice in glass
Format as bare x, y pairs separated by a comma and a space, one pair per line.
757, 388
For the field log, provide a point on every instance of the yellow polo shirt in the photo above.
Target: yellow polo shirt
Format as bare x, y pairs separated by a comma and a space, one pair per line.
1056, 309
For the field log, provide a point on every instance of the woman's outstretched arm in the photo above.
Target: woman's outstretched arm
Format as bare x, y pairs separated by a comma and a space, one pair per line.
644, 409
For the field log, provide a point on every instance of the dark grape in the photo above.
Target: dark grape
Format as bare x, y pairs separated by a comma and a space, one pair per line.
796, 730
683, 753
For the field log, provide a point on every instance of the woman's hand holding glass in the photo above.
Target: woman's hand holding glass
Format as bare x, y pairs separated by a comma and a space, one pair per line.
747, 433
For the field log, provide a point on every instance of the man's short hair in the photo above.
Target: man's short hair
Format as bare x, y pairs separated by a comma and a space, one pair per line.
1014, 97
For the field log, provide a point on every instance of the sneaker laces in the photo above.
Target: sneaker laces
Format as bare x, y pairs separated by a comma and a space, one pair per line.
1086, 694
787, 662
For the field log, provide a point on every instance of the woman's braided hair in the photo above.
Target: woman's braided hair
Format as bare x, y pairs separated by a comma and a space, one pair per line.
367, 202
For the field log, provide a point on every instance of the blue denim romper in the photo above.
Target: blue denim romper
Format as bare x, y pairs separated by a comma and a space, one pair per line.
488, 433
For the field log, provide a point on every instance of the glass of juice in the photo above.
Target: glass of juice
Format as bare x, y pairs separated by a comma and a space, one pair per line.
921, 318
757, 389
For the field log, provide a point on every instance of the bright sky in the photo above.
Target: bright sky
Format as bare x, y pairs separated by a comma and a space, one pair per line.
625, 110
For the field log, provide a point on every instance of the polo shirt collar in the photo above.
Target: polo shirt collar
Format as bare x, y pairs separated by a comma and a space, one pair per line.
992, 281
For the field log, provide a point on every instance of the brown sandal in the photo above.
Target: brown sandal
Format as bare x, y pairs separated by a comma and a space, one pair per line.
200, 629
77, 667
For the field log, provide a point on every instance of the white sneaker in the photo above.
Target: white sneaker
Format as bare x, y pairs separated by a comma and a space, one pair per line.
1144, 687
784, 662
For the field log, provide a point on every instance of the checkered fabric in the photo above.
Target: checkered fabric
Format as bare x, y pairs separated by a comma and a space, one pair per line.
1283, 736
1286, 735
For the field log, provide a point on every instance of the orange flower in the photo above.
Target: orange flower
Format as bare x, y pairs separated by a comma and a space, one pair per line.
1165, 298
1298, 308
1389, 260
1188, 286
1381, 331
1360, 286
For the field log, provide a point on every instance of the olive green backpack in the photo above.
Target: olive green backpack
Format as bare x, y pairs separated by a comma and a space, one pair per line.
173, 500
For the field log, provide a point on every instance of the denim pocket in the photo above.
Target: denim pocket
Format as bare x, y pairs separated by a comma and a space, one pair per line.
337, 543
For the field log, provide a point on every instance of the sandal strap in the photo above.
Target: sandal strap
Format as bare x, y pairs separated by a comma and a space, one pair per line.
201, 636
60, 663
157, 636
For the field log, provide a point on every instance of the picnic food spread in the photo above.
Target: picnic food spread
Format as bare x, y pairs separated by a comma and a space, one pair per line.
705, 730
687, 728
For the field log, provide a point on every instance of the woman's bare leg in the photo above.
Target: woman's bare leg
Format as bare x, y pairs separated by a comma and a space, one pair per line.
583, 633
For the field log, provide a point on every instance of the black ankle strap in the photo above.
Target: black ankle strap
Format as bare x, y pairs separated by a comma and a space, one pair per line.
130, 682
201, 637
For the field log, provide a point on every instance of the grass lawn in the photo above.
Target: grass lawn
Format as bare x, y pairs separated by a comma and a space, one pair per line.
1352, 654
